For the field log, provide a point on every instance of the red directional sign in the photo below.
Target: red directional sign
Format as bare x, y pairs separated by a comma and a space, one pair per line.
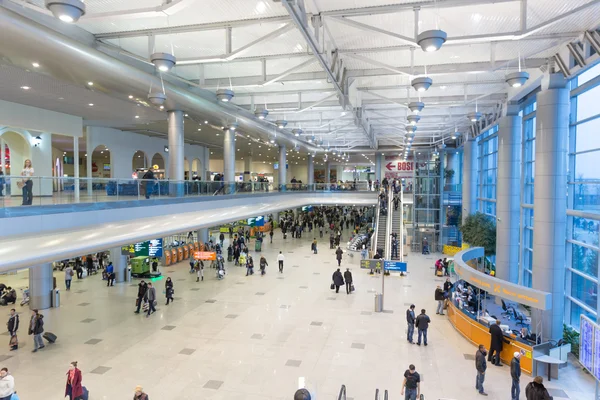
398, 168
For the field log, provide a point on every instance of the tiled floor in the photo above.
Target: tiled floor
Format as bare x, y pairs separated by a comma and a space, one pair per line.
257, 340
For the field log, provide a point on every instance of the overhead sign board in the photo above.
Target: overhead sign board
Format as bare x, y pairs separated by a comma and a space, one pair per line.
499, 287
398, 168
205, 255
371, 264
149, 248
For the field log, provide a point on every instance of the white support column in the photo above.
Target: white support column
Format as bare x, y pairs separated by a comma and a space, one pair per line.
311, 171
76, 167
247, 168
89, 148
203, 235
41, 284
229, 159
328, 172
119, 264
378, 166
282, 167
508, 196
550, 217
469, 187
176, 154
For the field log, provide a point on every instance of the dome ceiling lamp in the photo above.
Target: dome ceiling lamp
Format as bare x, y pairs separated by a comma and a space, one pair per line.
518, 78
225, 95
474, 116
163, 61
411, 129
421, 84
413, 119
416, 106
262, 113
297, 132
431, 40
157, 97
68, 11
281, 123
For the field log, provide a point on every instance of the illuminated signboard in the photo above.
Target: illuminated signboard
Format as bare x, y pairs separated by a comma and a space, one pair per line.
596, 371
149, 248
586, 343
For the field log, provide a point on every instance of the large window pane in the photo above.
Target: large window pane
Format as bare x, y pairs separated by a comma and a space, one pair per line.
587, 103
588, 75
586, 230
576, 312
584, 290
585, 260
586, 166
587, 197
588, 134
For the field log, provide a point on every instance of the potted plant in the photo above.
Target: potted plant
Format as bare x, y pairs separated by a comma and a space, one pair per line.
448, 174
479, 230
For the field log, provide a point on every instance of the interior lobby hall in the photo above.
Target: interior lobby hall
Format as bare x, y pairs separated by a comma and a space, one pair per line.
257, 337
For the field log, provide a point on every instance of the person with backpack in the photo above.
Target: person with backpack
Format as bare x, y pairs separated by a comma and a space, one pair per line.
36, 328
69, 276
536, 390
169, 290
13, 326
74, 389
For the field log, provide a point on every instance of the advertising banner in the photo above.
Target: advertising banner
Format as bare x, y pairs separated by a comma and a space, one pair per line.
205, 255
398, 168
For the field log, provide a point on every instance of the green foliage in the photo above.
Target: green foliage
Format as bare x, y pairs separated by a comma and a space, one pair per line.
479, 230
571, 336
448, 174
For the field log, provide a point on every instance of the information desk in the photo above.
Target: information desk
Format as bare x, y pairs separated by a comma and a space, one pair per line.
478, 333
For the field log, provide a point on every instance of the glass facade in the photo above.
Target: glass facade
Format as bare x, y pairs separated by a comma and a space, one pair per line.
583, 213
487, 144
528, 112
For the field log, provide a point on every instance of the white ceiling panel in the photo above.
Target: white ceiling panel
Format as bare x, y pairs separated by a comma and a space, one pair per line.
348, 37
540, 11
329, 5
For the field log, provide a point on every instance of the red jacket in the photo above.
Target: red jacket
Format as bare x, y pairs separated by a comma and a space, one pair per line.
76, 388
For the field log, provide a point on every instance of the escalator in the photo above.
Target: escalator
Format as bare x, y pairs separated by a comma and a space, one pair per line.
381, 242
396, 216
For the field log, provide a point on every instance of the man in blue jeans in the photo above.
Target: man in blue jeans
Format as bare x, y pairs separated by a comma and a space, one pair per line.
481, 366
411, 387
422, 324
515, 374
410, 322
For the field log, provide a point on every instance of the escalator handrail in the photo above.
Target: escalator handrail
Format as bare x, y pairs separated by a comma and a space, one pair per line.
342, 393
376, 394
376, 231
385, 395
388, 228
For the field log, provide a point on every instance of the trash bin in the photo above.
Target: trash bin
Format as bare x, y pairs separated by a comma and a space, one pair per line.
128, 274
378, 302
55, 298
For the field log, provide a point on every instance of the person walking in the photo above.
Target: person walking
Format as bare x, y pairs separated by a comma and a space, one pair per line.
515, 374
271, 235
411, 386
263, 265
169, 290
338, 255
13, 326
26, 183
280, 258
221, 238
249, 265
536, 390
150, 297
348, 280
199, 267
36, 328
314, 246
142, 288
410, 322
338, 280
69, 276
481, 366
7, 384
139, 394
74, 389
193, 261
439, 297
148, 182
422, 324
497, 340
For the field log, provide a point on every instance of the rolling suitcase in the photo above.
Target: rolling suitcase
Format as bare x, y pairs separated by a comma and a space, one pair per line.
49, 336
439, 272
257, 246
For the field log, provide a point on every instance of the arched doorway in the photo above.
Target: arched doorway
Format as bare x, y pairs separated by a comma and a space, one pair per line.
101, 162
158, 163
139, 161
18, 150
197, 168
186, 169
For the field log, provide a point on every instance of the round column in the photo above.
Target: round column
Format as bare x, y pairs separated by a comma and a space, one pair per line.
247, 168
378, 166
176, 147
119, 264
229, 158
311, 172
282, 168
508, 197
41, 284
203, 235
550, 200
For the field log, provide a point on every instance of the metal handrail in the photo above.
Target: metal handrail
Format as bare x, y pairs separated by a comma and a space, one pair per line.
388, 228
376, 394
385, 395
374, 239
342, 393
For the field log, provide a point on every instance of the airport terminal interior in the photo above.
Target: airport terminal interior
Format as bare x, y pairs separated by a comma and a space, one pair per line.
246, 198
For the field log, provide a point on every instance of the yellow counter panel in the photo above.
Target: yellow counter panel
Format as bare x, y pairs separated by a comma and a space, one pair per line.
478, 334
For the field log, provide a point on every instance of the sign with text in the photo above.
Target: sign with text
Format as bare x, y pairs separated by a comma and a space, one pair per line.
371, 264
398, 168
149, 248
395, 266
205, 255
586, 343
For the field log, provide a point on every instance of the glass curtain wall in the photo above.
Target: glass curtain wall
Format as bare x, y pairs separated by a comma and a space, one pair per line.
527, 177
427, 199
583, 213
487, 144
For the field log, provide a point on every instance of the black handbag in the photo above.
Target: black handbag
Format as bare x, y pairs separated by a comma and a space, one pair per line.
332, 286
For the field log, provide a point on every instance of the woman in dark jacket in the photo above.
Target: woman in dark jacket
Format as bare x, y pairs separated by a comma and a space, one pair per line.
338, 280
338, 255
74, 389
536, 391
169, 290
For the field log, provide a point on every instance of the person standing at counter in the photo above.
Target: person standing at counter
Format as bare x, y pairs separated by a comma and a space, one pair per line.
496, 344
481, 366
410, 321
439, 297
515, 374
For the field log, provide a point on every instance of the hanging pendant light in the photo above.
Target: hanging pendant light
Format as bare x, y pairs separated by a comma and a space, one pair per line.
421, 84
517, 79
297, 132
411, 129
68, 11
225, 95
281, 123
432, 40
261, 114
474, 116
416, 106
157, 98
163, 61
413, 119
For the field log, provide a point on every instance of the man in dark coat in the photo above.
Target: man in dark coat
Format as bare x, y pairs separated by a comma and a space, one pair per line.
422, 324
536, 391
142, 287
338, 255
338, 280
496, 344
348, 279
481, 366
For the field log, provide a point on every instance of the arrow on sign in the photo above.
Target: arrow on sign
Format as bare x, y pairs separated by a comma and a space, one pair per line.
389, 166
